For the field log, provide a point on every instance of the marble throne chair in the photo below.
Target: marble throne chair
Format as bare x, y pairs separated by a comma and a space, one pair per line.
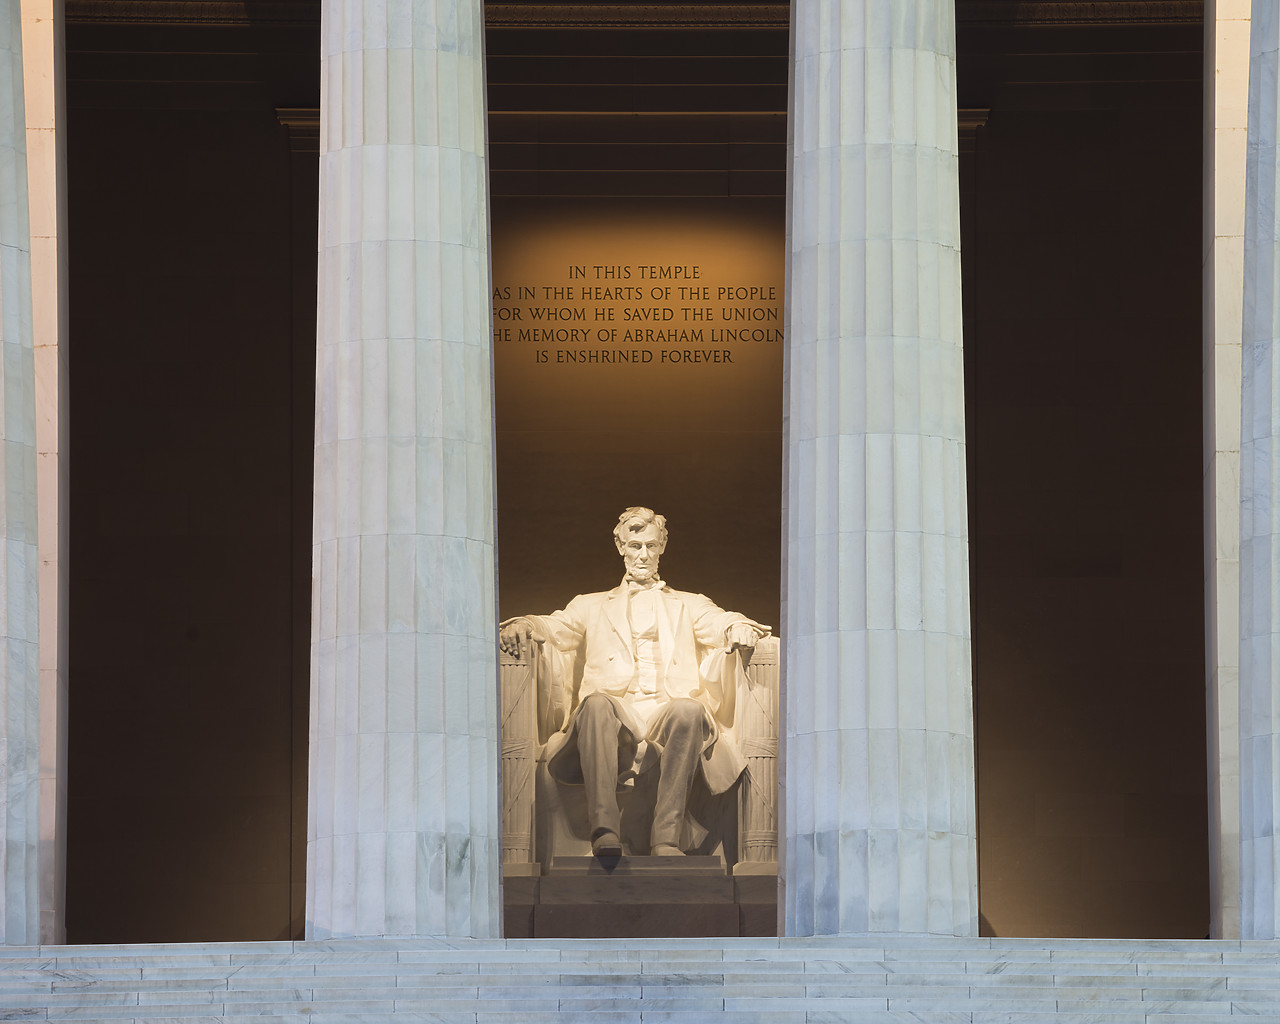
543, 819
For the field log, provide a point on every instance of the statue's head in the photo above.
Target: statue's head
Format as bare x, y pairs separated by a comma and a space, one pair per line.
641, 536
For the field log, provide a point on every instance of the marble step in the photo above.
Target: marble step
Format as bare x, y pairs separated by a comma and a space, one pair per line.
648, 981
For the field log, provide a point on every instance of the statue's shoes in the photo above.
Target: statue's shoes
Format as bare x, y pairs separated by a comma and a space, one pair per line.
606, 844
666, 850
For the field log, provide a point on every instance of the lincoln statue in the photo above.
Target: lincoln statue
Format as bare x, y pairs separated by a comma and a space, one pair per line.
640, 679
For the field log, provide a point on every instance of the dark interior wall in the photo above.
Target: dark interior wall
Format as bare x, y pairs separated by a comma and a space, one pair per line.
1082, 338
627, 142
185, 490
700, 442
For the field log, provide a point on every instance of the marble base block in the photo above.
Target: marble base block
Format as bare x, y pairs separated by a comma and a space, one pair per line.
586, 897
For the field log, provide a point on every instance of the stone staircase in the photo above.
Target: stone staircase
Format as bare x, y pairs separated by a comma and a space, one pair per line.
647, 981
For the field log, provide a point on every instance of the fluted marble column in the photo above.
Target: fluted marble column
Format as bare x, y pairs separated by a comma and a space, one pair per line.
878, 761
44, 90
1260, 492
1226, 100
403, 786
19, 612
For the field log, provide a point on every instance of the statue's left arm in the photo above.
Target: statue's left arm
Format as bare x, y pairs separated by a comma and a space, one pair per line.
722, 633
717, 628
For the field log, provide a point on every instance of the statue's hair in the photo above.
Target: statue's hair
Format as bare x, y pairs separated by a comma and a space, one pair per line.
635, 519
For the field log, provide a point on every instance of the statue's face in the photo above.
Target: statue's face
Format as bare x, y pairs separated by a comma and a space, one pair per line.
641, 551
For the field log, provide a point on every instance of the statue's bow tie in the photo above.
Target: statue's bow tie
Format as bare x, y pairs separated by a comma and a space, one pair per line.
633, 586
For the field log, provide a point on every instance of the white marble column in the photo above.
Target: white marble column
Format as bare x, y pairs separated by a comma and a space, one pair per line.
1260, 491
878, 760
44, 92
403, 785
20, 663
1226, 93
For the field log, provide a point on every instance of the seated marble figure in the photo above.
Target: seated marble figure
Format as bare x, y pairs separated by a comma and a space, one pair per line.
639, 679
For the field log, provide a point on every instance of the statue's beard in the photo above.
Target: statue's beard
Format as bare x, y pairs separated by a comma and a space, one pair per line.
642, 574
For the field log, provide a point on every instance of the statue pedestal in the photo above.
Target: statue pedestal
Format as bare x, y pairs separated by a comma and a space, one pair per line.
640, 897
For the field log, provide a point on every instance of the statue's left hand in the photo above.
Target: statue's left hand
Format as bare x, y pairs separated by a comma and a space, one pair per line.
741, 635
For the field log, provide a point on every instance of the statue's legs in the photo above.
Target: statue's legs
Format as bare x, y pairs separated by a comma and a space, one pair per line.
681, 734
597, 728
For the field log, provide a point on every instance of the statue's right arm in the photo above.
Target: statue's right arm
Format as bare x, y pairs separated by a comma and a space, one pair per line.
514, 636
559, 637
563, 629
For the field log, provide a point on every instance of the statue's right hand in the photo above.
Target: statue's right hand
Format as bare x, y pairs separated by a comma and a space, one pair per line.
514, 636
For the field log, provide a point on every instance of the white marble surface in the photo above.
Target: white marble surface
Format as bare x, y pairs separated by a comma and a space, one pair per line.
19, 611
1226, 103
798, 981
403, 788
878, 760
44, 89
1260, 492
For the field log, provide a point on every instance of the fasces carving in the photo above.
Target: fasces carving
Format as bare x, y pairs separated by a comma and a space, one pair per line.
519, 759
758, 733
637, 706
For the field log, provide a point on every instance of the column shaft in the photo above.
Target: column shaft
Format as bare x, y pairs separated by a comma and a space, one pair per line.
44, 95
1259, 483
1226, 78
19, 612
878, 761
403, 785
